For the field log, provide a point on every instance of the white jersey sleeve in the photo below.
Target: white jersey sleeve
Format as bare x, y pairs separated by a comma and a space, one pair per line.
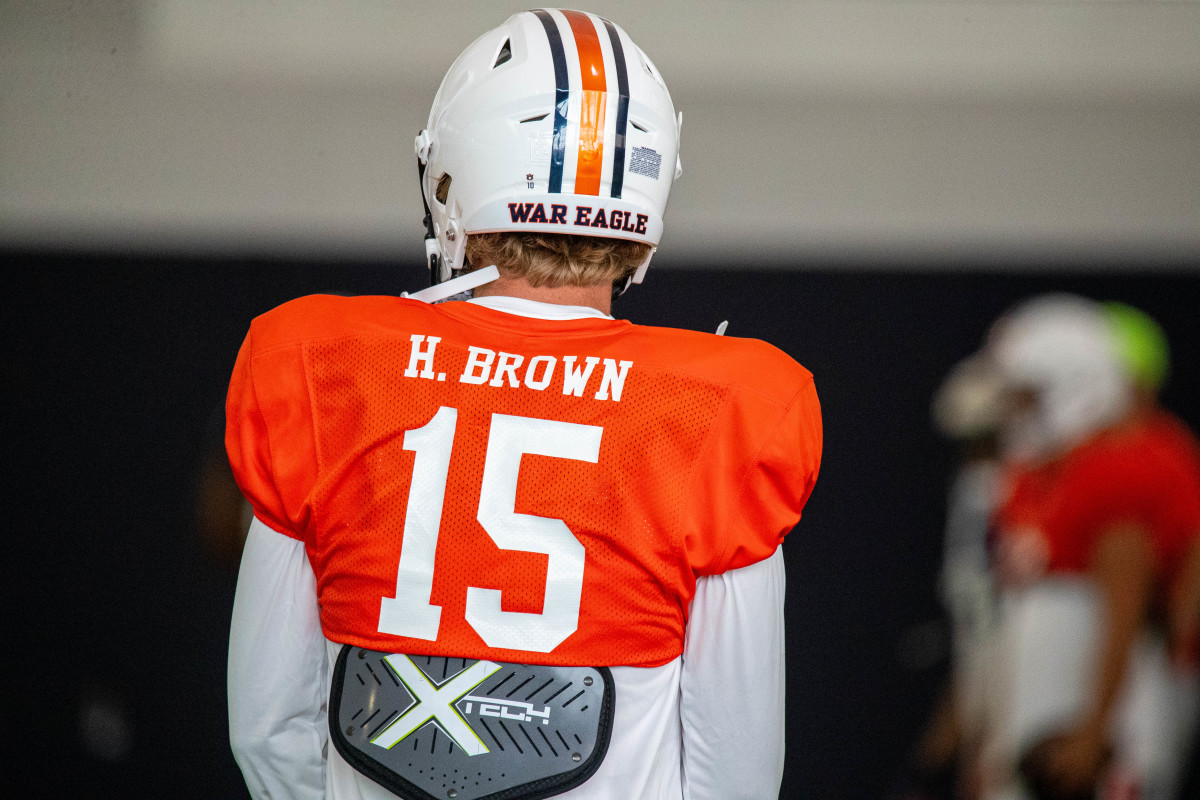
278, 679
732, 686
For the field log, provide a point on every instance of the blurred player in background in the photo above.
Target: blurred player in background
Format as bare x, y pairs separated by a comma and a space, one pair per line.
508, 545
967, 410
1088, 536
1101, 499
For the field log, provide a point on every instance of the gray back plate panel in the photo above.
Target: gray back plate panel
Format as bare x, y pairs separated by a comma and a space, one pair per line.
545, 729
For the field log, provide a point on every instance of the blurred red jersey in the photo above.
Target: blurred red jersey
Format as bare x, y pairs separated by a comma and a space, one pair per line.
476, 484
1146, 474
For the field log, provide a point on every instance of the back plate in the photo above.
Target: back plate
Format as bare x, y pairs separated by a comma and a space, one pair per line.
434, 728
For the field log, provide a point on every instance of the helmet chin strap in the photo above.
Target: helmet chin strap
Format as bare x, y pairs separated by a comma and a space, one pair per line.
471, 280
433, 252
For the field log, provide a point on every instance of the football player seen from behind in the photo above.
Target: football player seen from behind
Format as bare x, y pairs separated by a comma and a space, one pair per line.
1100, 502
506, 545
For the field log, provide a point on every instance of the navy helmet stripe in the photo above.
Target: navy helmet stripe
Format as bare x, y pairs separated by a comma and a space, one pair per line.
561, 95
618, 174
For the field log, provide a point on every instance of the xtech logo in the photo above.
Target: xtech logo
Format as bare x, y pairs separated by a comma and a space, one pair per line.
436, 703
515, 710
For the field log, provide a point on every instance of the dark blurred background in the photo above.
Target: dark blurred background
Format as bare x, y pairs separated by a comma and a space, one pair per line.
866, 185
119, 605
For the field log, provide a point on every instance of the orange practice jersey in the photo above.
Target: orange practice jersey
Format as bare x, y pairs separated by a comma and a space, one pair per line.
475, 484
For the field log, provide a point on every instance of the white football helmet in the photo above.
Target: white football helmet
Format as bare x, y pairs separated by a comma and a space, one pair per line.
553, 122
1061, 347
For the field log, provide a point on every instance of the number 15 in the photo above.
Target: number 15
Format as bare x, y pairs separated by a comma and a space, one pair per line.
410, 612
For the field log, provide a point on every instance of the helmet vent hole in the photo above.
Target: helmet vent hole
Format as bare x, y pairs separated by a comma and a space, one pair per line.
641, 128
504, 55
535, 119
443, 188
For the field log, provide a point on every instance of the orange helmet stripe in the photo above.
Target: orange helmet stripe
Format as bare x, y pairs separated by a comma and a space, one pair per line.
592, 107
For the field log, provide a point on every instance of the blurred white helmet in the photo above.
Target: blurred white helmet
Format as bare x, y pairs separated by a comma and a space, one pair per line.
554, 122
1061, 348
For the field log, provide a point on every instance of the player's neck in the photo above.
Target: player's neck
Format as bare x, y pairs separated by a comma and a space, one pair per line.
598, 296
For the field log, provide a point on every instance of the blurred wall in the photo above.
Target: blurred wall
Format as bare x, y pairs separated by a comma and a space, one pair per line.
895, 130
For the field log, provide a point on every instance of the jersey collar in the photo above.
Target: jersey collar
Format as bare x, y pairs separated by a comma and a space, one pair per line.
533, 309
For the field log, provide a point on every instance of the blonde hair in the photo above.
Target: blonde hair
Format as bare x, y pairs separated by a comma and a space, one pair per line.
557, 259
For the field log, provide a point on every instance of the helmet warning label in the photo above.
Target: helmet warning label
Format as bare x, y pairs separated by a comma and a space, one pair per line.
645, 161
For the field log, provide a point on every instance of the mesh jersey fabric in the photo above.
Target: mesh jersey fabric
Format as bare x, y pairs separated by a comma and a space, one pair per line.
1145, 474
709, 449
